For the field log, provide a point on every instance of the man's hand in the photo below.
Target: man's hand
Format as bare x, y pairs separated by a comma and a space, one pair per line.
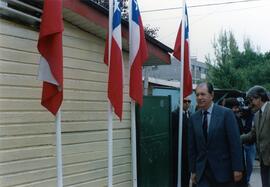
237, 175
193, 178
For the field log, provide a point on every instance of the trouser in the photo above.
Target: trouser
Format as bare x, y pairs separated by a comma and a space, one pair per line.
208, 180
185, 172
265, 174
250, 154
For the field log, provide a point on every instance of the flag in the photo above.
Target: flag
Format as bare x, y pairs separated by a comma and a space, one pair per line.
137, 53
51, 50
177, 51
115, 80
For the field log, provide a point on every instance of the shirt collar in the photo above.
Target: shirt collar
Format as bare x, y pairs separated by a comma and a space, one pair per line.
210, 109
263, 107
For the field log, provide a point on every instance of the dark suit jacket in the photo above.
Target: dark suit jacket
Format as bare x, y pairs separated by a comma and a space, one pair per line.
185, 168
222, 150
260, 134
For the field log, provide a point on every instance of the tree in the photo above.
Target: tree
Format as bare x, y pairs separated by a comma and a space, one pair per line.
235, 69
150, 31
103, 3
225, 50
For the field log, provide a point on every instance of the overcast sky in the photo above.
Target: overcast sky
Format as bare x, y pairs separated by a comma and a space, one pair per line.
246, 20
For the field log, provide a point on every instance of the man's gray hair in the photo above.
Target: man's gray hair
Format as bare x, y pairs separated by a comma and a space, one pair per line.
256, 92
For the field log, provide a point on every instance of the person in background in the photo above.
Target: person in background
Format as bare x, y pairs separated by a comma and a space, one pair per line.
260, 133
233, 104
215, 155
249, 148
175, 122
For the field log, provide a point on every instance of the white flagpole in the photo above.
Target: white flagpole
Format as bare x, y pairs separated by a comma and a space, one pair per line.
110, 115
110, 146
133, 117
134, 148
59, 149
180, 131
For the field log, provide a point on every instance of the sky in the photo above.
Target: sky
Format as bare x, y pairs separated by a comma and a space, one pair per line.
245, 19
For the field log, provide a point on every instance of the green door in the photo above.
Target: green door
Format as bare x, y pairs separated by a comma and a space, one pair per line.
154, 145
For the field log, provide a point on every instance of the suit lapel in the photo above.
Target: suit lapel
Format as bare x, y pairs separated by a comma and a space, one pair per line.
263, 117
198, 125
213, 123
256, 122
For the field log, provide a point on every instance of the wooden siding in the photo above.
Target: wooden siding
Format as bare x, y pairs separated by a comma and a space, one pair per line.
27, 132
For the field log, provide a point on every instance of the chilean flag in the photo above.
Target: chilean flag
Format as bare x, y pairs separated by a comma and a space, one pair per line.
137, 53
176, 53
51, 50
115, 81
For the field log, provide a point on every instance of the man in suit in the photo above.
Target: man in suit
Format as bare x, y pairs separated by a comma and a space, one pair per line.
260, 133
185, 178
215, 154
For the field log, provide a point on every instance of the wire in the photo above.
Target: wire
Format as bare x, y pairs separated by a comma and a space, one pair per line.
197, 6
211, 13
199, 15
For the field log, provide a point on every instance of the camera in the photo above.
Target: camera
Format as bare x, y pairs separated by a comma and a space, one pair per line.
243, 106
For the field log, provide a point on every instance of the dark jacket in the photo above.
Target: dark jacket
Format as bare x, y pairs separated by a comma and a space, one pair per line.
222, 150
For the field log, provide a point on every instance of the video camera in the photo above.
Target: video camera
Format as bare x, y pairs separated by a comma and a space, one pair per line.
243, 106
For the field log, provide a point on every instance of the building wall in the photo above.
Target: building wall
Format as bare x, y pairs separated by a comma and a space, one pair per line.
172, 71
27, 131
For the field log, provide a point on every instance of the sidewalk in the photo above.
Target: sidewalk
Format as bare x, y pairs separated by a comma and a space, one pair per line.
255, 180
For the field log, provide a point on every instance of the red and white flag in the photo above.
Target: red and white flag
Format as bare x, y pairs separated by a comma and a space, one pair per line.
138, 53
51, 50
115, 62
177, 51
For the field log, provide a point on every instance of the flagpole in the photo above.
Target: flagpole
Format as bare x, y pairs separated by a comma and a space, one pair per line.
180, 129
133, 117
110, 146
110, 114
59, 149
51, 71
134, 148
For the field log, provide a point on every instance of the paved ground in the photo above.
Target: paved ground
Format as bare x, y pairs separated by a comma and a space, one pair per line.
255, 180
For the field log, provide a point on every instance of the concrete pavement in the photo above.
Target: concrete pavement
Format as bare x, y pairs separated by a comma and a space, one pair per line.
255, 179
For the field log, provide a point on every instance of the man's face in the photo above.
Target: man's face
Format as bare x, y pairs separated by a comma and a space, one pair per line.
236, 109
203, 97
255, 103
186, 104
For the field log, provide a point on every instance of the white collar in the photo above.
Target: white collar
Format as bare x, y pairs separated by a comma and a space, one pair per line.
263, 107
210, 109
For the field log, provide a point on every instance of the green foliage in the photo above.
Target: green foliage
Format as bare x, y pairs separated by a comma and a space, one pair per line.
235, 69
151, 31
